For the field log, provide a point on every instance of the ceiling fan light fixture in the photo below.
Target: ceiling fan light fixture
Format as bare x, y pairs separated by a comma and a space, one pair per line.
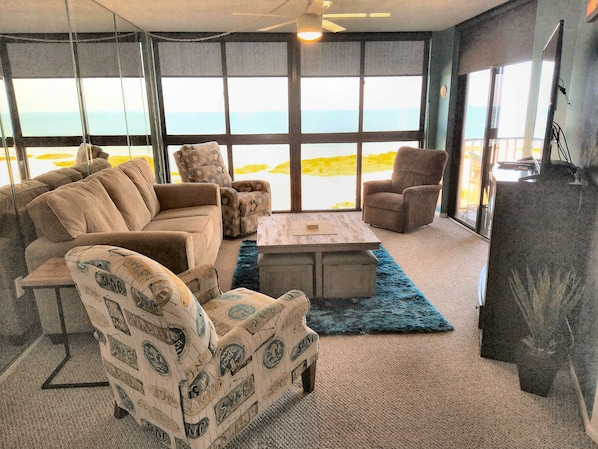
309, 27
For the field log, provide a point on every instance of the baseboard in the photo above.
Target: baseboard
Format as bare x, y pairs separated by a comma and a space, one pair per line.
16, 362
591, 429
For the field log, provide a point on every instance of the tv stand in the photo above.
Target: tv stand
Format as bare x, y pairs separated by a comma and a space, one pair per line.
556, 171
534, 223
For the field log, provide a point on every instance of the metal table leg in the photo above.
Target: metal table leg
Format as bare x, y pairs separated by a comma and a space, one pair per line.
48, 385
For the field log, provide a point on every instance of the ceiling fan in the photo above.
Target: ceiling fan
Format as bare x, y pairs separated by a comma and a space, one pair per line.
314, 19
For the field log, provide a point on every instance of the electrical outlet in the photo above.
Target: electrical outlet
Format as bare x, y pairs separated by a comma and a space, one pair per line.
19, 287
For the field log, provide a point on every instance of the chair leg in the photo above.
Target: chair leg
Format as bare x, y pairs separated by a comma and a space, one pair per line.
119, 413
308, 377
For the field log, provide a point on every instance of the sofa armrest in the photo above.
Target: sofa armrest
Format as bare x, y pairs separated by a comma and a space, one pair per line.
376, 186
187, 194
251, 185
202, 280
173, 249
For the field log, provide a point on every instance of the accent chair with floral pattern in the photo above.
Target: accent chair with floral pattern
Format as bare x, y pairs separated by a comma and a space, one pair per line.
192, 365
242, 201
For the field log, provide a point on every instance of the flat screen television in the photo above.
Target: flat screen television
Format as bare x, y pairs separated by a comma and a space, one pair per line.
546, 107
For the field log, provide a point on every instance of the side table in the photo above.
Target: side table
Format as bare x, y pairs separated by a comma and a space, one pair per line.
55, 274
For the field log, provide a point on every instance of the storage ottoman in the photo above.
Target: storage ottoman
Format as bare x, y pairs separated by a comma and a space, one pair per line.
349, 274
280, 273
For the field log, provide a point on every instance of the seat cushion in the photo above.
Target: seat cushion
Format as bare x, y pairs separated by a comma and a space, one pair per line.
252, 202
385, 200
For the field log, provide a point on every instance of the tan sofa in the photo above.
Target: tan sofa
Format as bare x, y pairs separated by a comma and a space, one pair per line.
178, 225
18, 315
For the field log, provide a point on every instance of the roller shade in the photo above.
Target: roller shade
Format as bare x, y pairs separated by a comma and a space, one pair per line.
330, 59
54, 60
257, 58
504, 37
40, 60
392, 58
185, 59
101, 59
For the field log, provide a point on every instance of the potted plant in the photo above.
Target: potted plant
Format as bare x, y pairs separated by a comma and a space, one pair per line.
544, 301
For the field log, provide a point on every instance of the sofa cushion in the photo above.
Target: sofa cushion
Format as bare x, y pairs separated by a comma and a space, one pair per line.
75, 209
204, 163
25, 192
94, 166
140, 172
126, 198
59, 177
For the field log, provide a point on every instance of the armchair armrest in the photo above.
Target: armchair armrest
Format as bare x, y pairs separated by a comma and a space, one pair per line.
423, 190
202, 280
252, 185
379, 185
286, 311
187, 194
229, 198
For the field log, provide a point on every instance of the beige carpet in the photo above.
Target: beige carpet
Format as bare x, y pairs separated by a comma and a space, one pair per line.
383, 391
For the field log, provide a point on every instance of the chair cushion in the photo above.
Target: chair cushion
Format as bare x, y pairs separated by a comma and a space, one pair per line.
386, 200
204, 163
416, 166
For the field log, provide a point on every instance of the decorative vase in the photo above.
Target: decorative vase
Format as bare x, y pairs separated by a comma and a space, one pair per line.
538, 371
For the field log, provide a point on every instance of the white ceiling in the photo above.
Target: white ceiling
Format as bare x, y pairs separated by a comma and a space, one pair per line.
18, 16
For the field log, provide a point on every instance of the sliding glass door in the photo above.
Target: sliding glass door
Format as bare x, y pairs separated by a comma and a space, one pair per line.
495, 104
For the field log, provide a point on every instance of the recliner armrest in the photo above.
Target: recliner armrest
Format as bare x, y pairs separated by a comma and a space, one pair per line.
376, 186
252, 185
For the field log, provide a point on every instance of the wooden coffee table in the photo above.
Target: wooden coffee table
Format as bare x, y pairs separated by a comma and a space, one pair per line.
289, 235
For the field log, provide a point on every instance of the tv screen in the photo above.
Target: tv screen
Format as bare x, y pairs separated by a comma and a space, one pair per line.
547, 103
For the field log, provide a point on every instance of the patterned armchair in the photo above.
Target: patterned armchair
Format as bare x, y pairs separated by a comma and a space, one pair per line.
192, 366
242, 201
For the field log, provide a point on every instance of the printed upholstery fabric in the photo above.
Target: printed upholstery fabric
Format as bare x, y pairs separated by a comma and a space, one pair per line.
203, 162
191, 365
243, 202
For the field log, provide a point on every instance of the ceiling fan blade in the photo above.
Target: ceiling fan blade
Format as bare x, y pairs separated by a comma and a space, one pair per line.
259, 15
318, 7
278, 25
358, 15
331, 26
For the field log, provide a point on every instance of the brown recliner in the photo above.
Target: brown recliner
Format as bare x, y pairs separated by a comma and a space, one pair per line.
407, 200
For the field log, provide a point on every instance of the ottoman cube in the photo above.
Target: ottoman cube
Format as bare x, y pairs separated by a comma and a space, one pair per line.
349, 274
280, 273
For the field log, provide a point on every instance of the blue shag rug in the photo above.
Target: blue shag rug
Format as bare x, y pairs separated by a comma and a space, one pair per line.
398, 307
